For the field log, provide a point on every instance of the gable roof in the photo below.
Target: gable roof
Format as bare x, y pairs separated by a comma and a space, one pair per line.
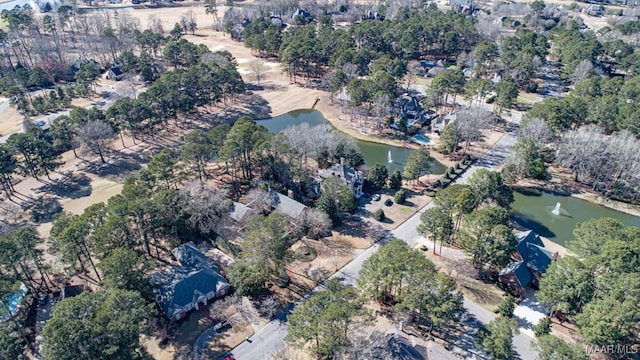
524, 238
180, 286
238, 211
538, 258
346, 173
285, 205
434, 71
116, 70
520, 270
534, 257
190, 256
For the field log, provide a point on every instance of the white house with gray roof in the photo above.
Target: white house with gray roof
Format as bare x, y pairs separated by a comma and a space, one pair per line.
353, 178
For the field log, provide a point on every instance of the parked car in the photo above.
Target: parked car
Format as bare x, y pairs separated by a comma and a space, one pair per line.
221, 326
388, 202
376, 197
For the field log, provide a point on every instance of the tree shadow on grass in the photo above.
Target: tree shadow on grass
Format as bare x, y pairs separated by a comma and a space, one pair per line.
70, 186
43, 209
254, 106
121, 165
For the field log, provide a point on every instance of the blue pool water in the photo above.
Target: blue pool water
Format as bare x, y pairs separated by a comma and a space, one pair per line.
421, 139
13, 302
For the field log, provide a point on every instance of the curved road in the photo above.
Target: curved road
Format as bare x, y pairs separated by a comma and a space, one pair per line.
268, 340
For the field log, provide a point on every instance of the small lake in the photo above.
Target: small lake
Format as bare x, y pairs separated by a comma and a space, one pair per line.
533, 209
373, 152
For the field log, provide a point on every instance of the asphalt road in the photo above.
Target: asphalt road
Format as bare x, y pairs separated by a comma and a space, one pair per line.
270, 338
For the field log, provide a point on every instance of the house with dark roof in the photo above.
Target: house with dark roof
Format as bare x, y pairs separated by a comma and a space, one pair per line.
594, 10
528, 263
463, 6
304, 14
73, 68
114, 73
190, 285
353, 178
373, 15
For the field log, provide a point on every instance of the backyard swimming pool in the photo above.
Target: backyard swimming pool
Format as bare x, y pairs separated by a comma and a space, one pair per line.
13, 300
421, 139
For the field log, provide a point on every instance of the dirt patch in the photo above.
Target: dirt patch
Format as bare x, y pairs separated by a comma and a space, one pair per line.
158, 352
340, 240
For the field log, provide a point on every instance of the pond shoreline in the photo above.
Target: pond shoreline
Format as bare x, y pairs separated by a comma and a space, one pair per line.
597, 199
332, 113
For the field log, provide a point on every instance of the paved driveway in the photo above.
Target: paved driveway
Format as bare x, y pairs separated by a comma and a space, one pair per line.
270, 339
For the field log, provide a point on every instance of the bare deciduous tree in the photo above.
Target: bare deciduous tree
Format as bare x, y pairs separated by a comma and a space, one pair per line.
95, 136
155, 24
188, 22
600, 160
222, 309
270, 306
205, 206
351, 70
259, 70
537, 130
583, 70
470, 123
363, 347
489, 26
314, 223
414, 68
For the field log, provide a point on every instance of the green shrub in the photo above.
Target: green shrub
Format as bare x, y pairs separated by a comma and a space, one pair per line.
283, 279
543, 327
379, 215
400, 197
305, 253
507, 306
507, 289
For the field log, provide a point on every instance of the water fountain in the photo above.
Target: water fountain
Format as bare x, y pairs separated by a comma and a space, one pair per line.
389, 159
556, 209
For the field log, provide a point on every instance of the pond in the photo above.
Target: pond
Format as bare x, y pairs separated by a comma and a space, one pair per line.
534, 209
373, 152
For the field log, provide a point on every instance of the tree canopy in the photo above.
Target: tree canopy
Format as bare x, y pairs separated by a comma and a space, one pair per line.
99, 325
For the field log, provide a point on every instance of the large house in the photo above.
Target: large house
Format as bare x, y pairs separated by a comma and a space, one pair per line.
285, 204
528, 263
189, 286
353, 178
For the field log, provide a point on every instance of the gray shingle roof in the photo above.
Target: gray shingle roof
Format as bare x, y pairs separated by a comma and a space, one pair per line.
534, 256
185, 284
286, 205
238, 211
522, 273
